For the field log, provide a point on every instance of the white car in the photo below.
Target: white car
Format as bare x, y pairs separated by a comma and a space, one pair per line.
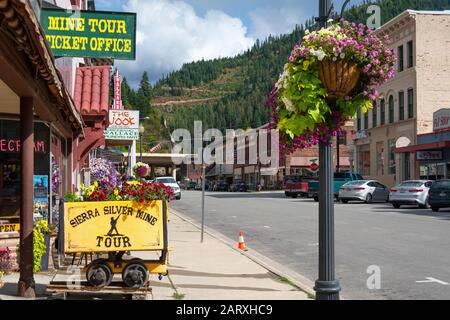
171, 182
364, 190
413, 192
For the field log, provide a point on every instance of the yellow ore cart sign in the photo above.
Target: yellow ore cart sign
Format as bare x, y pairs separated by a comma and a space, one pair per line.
113, 226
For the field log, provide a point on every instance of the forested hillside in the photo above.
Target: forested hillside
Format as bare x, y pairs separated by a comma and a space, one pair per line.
231, 92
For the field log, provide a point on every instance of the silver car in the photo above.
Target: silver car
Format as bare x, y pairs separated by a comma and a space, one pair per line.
411, 193
364, 190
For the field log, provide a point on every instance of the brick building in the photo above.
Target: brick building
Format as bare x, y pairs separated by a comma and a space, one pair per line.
408, 101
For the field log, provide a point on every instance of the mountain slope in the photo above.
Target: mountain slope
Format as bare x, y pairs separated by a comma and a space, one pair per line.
231, 92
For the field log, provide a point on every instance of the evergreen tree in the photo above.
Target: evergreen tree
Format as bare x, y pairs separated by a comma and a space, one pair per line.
144, 95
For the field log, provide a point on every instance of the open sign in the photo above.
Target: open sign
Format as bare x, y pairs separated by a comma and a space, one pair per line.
123, 119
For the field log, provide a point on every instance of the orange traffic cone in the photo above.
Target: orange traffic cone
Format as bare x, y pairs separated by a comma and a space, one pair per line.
241, 244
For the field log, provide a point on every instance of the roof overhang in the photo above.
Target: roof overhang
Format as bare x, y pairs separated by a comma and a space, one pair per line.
21, 24
425, 146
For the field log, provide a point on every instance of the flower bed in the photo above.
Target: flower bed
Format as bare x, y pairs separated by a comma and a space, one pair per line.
129, 191
329, 76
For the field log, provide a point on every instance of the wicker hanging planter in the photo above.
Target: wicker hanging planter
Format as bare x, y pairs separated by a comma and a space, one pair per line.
339, 78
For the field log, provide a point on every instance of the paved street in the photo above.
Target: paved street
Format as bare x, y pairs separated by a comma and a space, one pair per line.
409, 245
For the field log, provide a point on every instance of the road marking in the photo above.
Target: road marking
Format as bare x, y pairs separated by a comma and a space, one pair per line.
313, 244
234, 217
267, 227
433, 280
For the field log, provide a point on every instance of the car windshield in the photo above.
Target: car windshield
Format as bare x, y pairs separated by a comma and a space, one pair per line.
346, 175
354, 183
442, 184
166, 180
411, 184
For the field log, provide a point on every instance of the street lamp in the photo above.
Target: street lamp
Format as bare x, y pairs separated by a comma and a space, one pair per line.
326, 287
141, 133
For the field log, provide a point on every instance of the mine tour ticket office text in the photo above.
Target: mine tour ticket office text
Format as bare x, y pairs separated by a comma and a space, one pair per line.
90, 33
102, 26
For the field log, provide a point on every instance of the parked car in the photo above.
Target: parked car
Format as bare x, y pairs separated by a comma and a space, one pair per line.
364, 190
198, 186
222, 186
239, 186
297, 186
170, 182
191, 185
340, 179
439, 195
410, 193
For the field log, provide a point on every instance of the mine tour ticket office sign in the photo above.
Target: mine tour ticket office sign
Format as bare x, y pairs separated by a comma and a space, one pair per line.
114, 226
94, 34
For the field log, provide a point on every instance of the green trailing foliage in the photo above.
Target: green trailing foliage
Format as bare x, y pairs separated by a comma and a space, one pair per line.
39, 248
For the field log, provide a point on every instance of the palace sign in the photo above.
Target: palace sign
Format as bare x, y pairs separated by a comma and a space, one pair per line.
93, 34
121, 134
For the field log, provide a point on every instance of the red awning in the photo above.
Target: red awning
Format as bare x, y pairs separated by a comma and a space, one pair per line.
425, 146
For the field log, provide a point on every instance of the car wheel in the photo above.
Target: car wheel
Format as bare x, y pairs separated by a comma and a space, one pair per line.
396, 206
435, 209
179, 197
294, 196
369, 198
316, 199
344, 201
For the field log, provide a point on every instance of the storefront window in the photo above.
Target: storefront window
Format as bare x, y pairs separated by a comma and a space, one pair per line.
391, 160
391, 109
382, 112
364, 160
10, 165
374, 115
401, 105
380, 159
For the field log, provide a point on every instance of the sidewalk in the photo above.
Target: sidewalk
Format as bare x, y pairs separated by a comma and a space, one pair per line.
209, 271
213, 270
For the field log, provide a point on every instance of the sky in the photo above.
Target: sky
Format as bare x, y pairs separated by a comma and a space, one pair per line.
173, 32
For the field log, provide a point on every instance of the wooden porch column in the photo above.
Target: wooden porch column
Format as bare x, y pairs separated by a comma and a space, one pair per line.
26, 286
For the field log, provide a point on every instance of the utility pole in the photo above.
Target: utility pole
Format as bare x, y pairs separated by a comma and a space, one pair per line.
326, 287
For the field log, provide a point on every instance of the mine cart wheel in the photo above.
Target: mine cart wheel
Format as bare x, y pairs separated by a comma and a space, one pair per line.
135, 274
99, 274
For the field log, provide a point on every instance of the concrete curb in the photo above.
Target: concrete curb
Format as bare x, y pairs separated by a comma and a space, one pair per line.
299, 281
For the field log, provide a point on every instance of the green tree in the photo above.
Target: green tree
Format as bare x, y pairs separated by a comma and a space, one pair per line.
144, 95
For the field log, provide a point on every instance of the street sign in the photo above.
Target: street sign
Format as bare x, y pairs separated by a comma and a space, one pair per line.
93, 34
121, 134
314, 167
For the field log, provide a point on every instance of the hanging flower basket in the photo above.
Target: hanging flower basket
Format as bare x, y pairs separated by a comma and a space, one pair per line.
332, 74
339, 78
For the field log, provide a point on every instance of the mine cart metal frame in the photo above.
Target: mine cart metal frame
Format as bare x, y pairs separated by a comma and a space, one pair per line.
102, 263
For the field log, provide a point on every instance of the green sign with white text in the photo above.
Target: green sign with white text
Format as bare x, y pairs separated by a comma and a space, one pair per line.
90, 34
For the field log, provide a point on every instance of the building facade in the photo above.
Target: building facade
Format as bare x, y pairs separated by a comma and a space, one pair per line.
407, 102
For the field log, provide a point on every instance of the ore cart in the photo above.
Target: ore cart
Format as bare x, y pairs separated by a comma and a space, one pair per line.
102, 237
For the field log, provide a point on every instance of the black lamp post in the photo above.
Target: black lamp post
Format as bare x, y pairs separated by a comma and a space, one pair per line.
326, 287
141, 134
